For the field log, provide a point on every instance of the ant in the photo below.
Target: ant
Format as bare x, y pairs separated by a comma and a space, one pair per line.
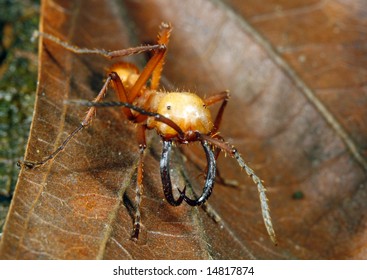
178, 117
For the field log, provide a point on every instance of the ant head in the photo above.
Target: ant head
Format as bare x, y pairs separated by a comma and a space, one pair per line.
185, 109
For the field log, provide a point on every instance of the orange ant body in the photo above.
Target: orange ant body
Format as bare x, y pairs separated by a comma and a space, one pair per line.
180, 117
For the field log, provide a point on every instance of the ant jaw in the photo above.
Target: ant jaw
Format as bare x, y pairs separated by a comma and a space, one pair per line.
182, 195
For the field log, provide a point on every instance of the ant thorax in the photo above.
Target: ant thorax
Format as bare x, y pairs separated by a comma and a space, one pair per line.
186, 109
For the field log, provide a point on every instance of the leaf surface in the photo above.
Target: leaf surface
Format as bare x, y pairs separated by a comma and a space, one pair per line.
296, 75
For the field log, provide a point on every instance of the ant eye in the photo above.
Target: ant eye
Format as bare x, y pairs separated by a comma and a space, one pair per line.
168, 107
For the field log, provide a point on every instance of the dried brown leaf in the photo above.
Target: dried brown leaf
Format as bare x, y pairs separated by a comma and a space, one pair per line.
296, 75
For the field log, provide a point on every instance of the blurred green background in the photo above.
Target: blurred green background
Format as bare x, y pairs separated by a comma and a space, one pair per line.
18, 80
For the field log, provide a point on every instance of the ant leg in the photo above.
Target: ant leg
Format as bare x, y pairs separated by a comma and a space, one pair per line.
139, 181
166, 179
121, 92
210, 177
101, 52
91, 112
154, 65
223, 96
260, 187
163, 39
146, 73
122, 95
218, 97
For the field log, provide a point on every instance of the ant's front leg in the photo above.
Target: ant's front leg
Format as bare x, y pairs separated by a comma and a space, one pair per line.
101, 52
219, 97
90, 114
221, 144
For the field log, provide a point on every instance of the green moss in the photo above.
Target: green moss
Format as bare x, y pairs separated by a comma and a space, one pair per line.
18, 78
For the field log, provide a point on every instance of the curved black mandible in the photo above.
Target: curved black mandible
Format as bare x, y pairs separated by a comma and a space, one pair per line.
166, 179
210, 177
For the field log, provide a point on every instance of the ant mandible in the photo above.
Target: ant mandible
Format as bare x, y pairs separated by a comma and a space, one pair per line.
179, 117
